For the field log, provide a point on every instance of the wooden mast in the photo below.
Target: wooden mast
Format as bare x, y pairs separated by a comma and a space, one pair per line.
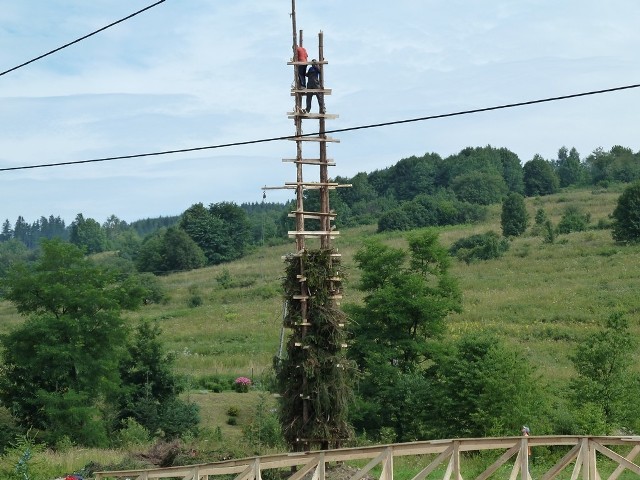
320, 230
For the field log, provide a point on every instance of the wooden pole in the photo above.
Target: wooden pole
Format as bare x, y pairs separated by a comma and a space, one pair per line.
325, 240
293, 24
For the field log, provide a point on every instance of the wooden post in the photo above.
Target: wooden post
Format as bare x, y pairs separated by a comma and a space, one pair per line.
325, 222
293, 25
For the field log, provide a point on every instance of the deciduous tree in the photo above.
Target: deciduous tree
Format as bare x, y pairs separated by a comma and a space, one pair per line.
480, 387
539, 177
408, 296
65, 356
88, 235
605, 379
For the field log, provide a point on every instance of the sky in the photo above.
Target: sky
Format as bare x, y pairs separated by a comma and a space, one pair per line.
195, 73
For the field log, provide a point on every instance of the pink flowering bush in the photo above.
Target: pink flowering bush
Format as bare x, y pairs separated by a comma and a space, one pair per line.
242, 384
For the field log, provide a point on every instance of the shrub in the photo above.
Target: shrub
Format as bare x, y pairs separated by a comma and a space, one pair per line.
431, 210
195, 300
132, 434
224, 279
548, 232
573, 220
216, 382
264, 429
233, 411
484, 246
242, 384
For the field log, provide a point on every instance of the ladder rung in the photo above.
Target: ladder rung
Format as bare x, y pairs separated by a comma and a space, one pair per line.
294, 233
304, 91
314, 184
313, 115
310, 161
328, 214
318, 62
314, 139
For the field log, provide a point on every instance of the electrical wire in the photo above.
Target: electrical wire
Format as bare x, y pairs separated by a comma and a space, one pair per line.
339, 130
81, 38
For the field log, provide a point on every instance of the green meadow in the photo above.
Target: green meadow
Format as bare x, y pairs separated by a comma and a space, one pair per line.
543, 297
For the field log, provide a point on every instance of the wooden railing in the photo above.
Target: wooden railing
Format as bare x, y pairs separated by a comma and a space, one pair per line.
445, 461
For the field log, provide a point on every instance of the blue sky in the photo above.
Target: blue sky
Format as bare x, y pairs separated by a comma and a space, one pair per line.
193, 73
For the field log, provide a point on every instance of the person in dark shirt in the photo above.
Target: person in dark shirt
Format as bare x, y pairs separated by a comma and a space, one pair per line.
313, 83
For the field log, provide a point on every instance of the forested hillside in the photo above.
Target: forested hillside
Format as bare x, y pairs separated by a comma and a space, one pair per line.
415, 192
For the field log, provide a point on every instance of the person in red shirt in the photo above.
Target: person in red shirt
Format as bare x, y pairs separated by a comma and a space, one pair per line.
301, 56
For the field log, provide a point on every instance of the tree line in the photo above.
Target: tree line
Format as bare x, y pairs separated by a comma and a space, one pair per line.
199, 236
432, 191
415, 192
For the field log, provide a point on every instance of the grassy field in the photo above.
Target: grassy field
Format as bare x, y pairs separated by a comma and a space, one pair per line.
543, 298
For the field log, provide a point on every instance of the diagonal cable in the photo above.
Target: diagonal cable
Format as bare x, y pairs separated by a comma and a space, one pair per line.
338, 130
80, 39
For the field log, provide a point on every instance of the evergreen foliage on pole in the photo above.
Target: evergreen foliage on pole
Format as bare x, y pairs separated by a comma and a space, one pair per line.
315, 378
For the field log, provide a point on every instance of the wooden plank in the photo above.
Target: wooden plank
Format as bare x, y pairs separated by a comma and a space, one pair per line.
631, 457
562, 463
299, 254
305, 469
498, 463
434, 464
284, 187
308, 216
304, 91
371, 464
517, 465
619, 459
312, 115
308, 233
310, 161
313, 184
325, 214
314, 139
319, 62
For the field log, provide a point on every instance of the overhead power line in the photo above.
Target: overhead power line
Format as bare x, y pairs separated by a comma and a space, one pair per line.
339, 130
81, 38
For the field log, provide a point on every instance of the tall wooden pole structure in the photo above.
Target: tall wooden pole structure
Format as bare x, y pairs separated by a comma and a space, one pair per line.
315, 375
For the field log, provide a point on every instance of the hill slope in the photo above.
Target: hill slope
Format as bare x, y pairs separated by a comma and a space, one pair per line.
544, 297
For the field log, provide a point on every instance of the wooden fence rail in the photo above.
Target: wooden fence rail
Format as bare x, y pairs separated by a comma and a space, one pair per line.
580, 461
